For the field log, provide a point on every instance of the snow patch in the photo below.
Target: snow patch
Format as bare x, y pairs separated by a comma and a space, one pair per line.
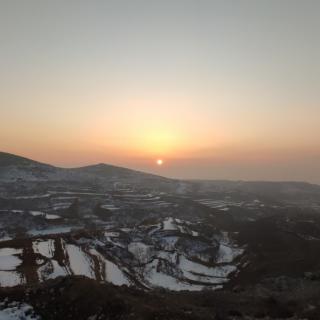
112, 272
17, 311
80, 262
8, 259
45, 248
10, 279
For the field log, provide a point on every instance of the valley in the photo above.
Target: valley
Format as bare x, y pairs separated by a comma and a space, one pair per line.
142, 232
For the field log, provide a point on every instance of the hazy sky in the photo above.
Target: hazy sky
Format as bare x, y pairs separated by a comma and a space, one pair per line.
217, 89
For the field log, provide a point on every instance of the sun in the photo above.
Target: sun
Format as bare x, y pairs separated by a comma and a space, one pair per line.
159, 162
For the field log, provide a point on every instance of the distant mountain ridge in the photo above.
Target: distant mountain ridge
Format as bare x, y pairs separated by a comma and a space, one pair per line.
14, 167
9, 159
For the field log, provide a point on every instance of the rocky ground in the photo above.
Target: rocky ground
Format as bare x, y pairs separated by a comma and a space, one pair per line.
81, 298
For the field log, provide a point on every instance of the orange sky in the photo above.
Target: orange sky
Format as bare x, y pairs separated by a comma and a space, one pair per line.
218, 91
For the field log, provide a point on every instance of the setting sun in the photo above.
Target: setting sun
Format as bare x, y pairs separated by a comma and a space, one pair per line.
159, 162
